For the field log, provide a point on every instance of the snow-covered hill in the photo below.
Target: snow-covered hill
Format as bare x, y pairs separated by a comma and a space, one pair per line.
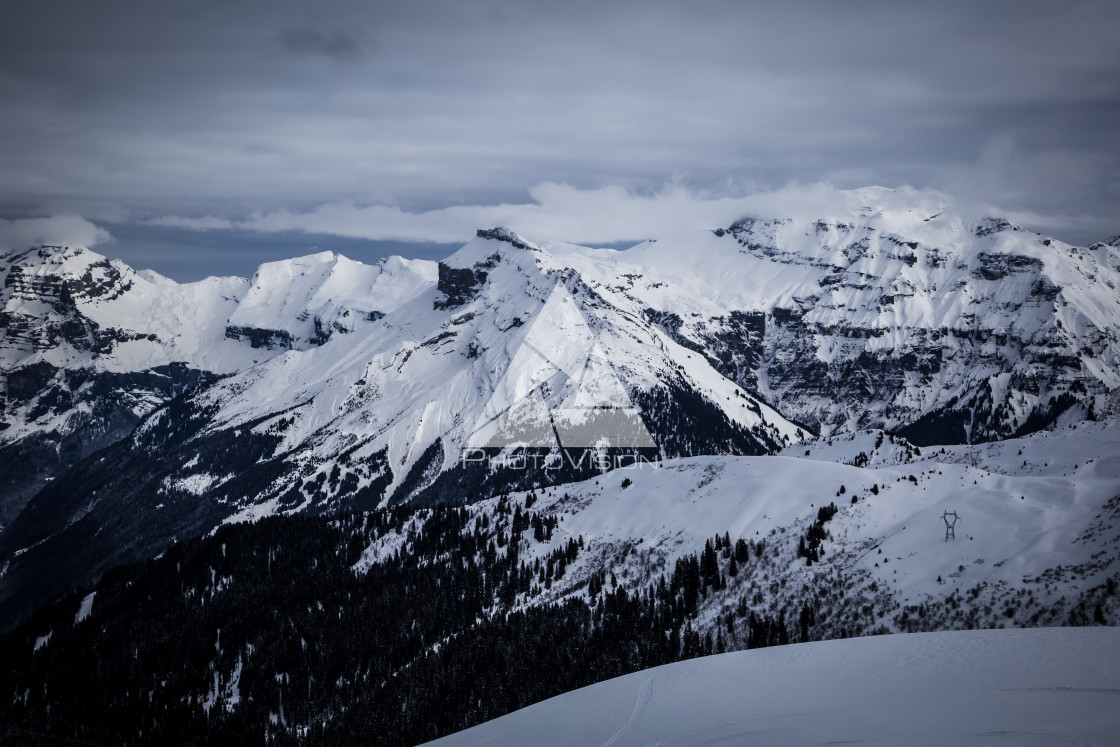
1015, 687
1036, 543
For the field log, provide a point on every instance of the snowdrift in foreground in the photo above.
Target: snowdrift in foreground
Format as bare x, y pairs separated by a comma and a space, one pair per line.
1022, 687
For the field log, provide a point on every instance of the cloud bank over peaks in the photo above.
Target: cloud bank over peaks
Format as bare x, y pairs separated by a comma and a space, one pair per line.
563, 213
65, 229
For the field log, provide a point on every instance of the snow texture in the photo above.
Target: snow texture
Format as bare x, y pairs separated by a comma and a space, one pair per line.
1007, 687
1040, 523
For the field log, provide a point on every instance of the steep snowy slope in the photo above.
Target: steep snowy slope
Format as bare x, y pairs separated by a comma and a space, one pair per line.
88, 346
1015, 687
507, 324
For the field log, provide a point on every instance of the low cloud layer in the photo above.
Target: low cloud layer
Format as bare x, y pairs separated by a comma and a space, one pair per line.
555, 212
606, 215
191, 247
65, 230
264, 115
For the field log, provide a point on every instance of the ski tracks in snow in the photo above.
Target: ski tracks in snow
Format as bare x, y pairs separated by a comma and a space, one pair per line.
645, 695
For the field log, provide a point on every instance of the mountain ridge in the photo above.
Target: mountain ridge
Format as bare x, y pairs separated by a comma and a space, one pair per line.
741, 340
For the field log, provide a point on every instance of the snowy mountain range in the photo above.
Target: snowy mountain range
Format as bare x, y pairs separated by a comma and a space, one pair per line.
323, 385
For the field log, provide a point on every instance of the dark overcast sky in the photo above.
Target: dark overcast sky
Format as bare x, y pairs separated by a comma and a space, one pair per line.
205, 137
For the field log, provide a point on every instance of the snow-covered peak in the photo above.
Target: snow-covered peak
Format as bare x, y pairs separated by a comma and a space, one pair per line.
70, 307
310, 297
60, 258
953, 298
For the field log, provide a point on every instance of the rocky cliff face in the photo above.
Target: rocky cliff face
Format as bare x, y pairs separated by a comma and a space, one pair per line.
67, 388
967, 332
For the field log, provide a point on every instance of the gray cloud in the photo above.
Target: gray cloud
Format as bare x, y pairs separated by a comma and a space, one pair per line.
616, 215
308, 41
57, 229
203, 110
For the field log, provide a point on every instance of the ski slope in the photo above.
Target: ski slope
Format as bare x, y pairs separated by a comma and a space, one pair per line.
1043, 686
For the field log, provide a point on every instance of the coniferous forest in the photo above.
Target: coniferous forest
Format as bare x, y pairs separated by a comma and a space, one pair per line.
280, 633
